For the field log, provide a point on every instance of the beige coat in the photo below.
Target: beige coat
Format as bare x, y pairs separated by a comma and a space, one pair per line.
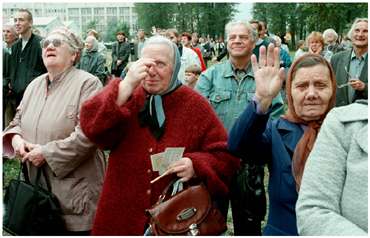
50, 117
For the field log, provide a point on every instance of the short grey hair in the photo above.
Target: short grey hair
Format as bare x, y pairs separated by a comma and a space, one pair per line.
161, 40
252, 32
330, 31
357, 20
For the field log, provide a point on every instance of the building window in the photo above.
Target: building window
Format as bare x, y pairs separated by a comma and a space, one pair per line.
99, 11
73, 11
124, 11
111, 11
86, 11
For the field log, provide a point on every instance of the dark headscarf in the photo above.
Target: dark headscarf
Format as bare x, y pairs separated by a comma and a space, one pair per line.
305, 144
152, 114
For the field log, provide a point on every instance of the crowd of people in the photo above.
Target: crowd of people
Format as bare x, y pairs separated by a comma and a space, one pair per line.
305, 118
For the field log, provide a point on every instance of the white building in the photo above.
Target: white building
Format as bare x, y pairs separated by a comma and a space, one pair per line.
46, 24
79, 13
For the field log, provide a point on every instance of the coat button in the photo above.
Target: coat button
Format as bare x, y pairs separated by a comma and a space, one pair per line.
150, 150
149, 171
148, 191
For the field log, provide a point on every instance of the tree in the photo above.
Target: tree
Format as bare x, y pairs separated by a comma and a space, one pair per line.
90, 25
204, 18
113, 27
302, 18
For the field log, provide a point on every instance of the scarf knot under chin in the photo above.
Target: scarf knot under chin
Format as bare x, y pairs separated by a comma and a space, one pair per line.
148, 116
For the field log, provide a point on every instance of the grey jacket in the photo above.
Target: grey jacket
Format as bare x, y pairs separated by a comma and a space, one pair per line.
333, 195
339, 62
74, 166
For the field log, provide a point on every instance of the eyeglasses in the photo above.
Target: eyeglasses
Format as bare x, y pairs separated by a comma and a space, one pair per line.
55, 41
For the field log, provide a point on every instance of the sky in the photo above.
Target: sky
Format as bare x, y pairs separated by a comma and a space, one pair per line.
245, 12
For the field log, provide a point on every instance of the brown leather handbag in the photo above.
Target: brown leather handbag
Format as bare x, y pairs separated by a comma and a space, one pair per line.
188, 212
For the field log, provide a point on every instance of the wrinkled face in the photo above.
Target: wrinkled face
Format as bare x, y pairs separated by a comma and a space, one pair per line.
315, 46
185, 41
8, 35
359, 35
311, 92
56, 52
159, 76
240, 43
22, 23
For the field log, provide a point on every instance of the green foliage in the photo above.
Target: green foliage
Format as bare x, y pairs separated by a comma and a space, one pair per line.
302, 18
113, 27
10, 170
90, 25
204, 18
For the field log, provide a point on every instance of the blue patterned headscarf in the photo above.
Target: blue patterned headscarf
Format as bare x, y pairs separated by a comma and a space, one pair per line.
153, 112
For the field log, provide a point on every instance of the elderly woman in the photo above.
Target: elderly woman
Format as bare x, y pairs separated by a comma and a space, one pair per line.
150, 111
284, 144
46, 133
333, 196
91, 60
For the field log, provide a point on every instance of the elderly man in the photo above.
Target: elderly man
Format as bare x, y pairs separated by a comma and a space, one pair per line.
148, 112
350, 66
10, 36
26, 60
230, 86
330, 40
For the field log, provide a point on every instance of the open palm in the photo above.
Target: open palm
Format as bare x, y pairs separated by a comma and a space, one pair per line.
268, 75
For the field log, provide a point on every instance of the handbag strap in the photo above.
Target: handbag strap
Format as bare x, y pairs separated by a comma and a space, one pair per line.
177, 186
38, 175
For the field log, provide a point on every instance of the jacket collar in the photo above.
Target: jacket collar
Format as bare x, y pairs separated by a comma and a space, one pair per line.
229, 70
290, 133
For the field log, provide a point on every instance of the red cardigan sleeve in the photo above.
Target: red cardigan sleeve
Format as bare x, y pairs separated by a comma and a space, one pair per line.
101, 118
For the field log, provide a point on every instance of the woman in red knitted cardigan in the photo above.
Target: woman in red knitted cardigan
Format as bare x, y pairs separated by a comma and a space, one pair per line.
142, 115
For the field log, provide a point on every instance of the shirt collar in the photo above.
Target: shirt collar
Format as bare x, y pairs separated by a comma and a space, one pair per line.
232, 70
353, 56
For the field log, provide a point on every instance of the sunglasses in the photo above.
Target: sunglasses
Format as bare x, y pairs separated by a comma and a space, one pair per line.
46, 42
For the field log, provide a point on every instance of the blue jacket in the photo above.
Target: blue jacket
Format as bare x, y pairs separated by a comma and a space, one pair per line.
272, 142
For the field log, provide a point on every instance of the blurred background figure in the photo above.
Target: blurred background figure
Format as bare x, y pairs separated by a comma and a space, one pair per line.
300, 49
120, 54
9, 37
138, 44
331, 41
92, 61
191, 75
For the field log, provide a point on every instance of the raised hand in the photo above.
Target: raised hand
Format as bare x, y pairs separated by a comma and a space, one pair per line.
268, 75
136, 74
